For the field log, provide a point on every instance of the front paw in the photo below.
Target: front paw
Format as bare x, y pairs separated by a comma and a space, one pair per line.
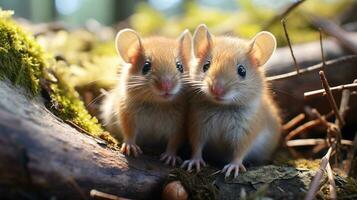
233, 167
170, 159
127, 148
193, 163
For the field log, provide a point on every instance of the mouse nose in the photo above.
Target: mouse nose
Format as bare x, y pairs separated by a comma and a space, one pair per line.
217, 90
165, 85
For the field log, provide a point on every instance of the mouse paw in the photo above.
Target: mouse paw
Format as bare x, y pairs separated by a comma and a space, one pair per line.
233, 167
127, 148
193, 163
170, 159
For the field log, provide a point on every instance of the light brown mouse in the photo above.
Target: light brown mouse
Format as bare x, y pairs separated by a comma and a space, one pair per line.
231, 105
149, 100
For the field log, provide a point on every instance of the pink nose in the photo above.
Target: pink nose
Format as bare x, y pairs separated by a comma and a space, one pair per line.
217, 90
165, 86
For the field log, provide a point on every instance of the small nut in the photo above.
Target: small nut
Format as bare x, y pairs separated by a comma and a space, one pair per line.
174, 191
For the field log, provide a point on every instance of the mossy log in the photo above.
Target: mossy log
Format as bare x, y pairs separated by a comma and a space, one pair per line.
42, 157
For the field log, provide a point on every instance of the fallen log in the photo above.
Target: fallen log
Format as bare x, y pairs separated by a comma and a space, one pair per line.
42, 157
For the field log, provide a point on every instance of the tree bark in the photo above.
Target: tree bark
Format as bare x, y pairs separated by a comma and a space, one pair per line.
42, 157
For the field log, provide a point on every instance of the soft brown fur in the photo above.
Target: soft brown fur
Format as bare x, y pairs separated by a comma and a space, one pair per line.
246, 120
136, 109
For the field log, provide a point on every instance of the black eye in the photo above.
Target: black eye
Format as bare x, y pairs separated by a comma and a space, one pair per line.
179, 66
206, 66
146, 67
241, 70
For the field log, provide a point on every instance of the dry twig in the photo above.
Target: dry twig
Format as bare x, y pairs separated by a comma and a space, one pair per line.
315, 183
334, 62
332, 29
331, 179
350, 155
95, 194
293, 122
330, 98
289, 44
352, 86
313, 142
322, 52
283, 14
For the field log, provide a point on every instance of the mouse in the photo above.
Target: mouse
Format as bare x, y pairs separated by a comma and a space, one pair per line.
148, 102
231, 105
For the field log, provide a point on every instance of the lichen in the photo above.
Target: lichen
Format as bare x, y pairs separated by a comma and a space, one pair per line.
22, 60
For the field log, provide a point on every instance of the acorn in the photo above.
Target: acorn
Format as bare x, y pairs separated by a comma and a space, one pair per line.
174, 191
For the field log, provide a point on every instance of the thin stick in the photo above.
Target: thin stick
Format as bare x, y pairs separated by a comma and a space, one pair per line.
315, 183
330, 98
352, 86
289, 44
320, 117
332, 185
350, 155
322, 52
283, 14
345, 99
313, 142
334, 62
293, 122
95, 194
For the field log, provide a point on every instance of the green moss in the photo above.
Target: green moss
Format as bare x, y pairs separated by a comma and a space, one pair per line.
67, 104
22, 60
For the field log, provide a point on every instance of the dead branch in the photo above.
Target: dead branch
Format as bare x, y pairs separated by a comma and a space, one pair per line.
331, 179
352, 86
332, 29
315, 183
283, 14
322, 52
330, 98
289, 44
334, 62
350, 155
313, 142
293, 122
95, 194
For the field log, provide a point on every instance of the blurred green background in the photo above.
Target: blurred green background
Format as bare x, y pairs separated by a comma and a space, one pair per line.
170, 17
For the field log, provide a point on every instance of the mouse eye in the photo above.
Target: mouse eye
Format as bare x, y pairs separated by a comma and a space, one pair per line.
241, 70
146, 67
179, 66
206, 66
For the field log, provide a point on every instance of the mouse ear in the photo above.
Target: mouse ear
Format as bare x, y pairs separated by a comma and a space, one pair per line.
185, 46
262, 47
202, 40
124, 40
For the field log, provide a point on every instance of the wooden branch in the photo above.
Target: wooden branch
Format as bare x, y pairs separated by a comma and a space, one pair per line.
344, 105
289, 44
331, 99
322, 52
350, 155
283, 14
332, 184
351, 86
313, 142
332, 29
315, 184
334, 62
95, 194
293, 122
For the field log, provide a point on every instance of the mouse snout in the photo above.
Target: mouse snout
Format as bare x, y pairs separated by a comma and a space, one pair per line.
217, 90
165, 85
